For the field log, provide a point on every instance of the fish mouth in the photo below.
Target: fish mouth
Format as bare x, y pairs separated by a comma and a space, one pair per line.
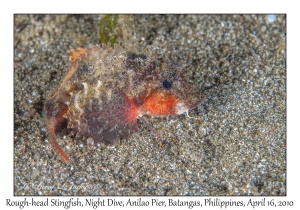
183, 106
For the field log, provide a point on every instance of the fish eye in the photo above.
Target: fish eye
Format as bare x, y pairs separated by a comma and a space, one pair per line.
167, 84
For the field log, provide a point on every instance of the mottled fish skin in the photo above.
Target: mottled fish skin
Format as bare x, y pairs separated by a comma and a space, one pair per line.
107, 89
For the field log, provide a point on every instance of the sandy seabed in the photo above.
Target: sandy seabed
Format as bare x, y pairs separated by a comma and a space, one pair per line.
233, 143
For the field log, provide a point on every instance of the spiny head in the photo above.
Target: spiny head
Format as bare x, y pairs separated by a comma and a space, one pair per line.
159, 86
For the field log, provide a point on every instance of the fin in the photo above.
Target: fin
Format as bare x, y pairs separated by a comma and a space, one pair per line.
56, 122
75, 59
57, 148
155, 133
78, 54
117, 119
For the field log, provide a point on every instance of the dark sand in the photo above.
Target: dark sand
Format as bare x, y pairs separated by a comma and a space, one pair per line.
236, 146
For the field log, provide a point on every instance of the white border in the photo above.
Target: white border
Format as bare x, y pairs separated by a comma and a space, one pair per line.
153, 6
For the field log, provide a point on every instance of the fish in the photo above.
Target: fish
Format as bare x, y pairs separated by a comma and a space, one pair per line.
106, 90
